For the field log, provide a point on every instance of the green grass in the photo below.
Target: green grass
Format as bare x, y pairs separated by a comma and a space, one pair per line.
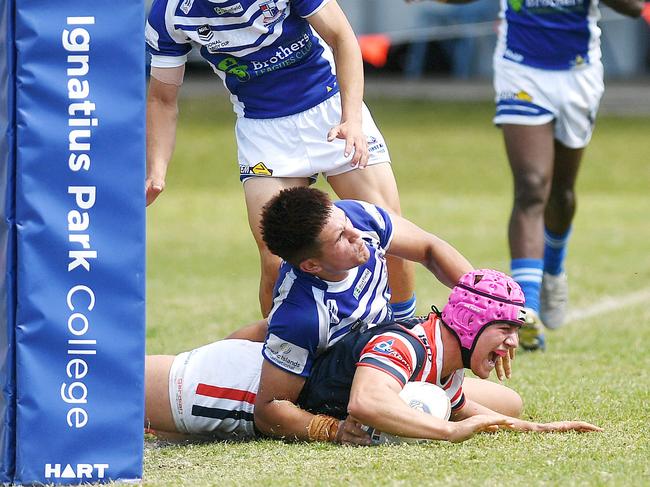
454, 181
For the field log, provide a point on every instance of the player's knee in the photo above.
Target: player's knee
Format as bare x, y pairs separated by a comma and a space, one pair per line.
531, 190
563, 200
512, 403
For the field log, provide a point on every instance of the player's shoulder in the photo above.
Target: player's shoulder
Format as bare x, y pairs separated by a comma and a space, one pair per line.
364, 213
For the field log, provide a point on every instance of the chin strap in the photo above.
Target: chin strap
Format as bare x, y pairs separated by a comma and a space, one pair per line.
467, 357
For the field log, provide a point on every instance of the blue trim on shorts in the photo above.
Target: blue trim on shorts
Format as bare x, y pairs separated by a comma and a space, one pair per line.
243, 177
520, 107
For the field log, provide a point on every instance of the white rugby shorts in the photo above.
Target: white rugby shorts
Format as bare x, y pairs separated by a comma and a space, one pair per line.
297, 146
531, 96
212, 389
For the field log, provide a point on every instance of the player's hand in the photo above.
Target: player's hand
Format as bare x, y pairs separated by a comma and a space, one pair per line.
356, 144
503, 367
153, 187
350, 433
465, 429
564, 426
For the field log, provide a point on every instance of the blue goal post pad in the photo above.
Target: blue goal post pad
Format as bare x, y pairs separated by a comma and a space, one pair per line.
80, 219
7, 246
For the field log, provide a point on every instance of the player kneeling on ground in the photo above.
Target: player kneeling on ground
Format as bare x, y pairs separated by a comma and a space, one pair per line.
210, 392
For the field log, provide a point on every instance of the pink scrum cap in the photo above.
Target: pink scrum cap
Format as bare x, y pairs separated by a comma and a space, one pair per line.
482, 297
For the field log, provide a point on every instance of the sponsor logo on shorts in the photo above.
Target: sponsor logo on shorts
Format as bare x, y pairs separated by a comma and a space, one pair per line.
374, 145
259, 169
365, 277
205, 32
513, 55
287, 355
186, 6
520, 95
230, 9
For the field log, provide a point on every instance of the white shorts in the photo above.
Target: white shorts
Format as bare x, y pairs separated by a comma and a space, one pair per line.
212, 389
297, 146
531, 96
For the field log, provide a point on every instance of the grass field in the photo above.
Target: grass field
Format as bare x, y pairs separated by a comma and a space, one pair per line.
453, 177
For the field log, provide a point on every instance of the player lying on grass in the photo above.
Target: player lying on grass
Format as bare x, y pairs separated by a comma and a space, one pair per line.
210, 392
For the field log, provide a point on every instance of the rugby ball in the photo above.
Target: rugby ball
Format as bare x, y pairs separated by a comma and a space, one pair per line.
423, 396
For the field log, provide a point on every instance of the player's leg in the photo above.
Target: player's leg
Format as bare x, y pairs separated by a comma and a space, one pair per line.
376, 184
558, 218
494, 396
530, 150
258, 191
158, 413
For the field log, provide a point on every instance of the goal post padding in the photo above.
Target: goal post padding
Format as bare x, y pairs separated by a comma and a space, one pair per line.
79, 262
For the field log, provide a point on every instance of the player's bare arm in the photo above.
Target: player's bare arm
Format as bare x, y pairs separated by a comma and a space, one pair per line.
374, 400
631, 8
412, 243
255, 332
472, 409
162, 114
277, 415
332, 25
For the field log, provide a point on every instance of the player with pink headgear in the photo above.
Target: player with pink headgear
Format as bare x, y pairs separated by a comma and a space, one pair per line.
210, 391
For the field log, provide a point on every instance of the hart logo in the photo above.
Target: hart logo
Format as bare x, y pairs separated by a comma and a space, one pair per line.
78, 471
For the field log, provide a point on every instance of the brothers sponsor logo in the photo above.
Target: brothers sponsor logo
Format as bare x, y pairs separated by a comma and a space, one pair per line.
77, 471
205, 32
361, 283
285, 55
230, 65
186, 6
287, 355
230, 9
259, 169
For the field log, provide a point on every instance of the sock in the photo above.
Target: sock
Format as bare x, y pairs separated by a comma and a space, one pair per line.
405, 309
528, 274
555, 246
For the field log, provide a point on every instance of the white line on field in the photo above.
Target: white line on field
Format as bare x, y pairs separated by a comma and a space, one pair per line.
609, 303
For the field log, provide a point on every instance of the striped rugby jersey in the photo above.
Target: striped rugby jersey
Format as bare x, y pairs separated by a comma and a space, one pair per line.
407, 351
309, 314
267, 55
549, 34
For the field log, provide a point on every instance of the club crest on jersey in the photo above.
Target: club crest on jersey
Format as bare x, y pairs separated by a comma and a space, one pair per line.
270, 11
205, 32
230, 9
186, 6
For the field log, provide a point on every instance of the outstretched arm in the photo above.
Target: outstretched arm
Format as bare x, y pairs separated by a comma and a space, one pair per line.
332, 25
472, 409
412, 243
375, 401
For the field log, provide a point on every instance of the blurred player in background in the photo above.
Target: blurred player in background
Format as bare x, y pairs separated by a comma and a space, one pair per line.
548, 79
295, 75
211, 392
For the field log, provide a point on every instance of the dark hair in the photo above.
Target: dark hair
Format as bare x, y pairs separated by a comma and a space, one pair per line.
292, 221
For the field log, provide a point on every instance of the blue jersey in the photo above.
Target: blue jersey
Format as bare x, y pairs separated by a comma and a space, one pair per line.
266, 53
310, 314
549, 34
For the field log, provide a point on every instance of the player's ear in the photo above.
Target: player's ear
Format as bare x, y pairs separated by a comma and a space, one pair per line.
311, 266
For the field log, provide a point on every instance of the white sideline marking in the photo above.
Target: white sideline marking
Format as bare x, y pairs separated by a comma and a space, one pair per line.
609, 303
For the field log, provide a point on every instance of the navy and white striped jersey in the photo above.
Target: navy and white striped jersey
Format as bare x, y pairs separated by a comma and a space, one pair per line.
310, 314
268, 56
407, 351
549, 34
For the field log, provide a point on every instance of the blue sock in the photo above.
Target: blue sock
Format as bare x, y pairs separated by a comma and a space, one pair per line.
405, 309
555, 246
528, 274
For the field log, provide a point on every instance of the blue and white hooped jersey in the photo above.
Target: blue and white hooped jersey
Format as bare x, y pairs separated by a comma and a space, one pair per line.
549, 34
309, 314
268, 56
